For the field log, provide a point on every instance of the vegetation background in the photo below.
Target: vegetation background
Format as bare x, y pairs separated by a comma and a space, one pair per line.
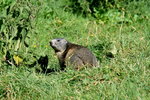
116, 31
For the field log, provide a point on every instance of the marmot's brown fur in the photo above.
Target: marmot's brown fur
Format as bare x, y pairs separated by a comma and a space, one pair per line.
76, 55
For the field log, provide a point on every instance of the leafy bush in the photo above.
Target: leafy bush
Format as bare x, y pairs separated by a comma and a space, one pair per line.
90, 7
105, 10
16, 22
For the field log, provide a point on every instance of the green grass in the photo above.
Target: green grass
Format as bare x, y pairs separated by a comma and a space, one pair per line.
124, 77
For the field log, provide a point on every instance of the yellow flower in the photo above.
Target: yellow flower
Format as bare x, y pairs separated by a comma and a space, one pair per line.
34, 46
17, 59
46, 46
59, 21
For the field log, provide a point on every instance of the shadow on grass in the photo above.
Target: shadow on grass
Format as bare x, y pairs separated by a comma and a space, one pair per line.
43, 62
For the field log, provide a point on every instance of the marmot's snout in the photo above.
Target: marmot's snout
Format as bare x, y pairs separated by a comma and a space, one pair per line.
52, 45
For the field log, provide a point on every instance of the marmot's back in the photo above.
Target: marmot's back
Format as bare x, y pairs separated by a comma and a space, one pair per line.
85, 55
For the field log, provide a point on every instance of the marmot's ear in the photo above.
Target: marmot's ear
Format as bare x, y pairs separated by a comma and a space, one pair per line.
68, 44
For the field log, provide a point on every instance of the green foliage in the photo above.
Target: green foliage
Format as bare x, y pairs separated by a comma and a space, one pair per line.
92, 7
112, 11
87, 7
16, 22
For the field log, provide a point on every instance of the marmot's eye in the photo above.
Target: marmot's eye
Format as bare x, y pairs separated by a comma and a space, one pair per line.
58, 40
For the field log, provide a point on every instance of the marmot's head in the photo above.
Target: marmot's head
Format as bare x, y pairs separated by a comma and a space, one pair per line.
59, 44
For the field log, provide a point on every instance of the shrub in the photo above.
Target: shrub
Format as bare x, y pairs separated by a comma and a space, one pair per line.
16, 22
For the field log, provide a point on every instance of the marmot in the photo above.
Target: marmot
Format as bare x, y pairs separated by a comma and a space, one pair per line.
76, 55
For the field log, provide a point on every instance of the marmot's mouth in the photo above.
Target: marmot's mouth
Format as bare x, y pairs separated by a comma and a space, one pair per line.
56, 50
51, 44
